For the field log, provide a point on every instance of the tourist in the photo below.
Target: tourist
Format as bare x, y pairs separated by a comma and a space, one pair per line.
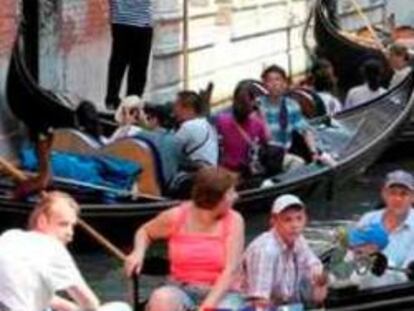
279, 266
35, 264
283, 116
205, 239
397, 217
196, 138
370, 89
399, 59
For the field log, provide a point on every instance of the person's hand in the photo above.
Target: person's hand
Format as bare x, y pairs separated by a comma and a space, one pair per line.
133, 263
317, 276
319, 283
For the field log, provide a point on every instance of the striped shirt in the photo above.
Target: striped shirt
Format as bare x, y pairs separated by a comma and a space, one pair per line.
274, 272
273, 115
132, 12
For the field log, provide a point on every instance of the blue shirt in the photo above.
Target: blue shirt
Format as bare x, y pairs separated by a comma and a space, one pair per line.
272, 113
132, 12
401, 240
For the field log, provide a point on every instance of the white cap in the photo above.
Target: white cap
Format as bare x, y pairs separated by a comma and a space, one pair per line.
285, 201
129, 102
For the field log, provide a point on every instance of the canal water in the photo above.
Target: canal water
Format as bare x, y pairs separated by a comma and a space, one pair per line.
352, 198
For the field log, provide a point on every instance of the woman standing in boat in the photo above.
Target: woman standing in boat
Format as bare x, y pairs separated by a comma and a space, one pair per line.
205, 239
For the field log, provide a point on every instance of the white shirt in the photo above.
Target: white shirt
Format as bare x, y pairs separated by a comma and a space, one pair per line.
361, 94
399, 76
332, 104
33, 267
198, 140
124, 131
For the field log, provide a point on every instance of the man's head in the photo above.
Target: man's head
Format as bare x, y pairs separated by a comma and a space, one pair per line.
398, 192
275, 80
288, 217
56, 215
398, 56
187, 106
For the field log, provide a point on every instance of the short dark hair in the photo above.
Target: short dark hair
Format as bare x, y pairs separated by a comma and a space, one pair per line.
210, 185
274, 69
371, 72
191, 99
399, 50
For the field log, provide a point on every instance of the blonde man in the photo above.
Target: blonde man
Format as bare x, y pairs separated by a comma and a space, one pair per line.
35, 264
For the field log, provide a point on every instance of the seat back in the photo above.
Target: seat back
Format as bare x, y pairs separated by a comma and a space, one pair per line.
140, 152
71, 140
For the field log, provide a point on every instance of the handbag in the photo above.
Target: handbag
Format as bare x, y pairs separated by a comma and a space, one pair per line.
254, 164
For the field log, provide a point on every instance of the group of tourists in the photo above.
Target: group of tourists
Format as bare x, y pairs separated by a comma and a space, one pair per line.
209, 267
259, 124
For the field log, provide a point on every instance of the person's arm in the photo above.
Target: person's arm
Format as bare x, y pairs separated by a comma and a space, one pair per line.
234, 250
155, 229
317, 277
259, 274
84, 297
61, 304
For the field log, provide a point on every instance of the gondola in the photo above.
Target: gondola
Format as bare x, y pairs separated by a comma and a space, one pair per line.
389, 297
346, 55
355, 138
30, 102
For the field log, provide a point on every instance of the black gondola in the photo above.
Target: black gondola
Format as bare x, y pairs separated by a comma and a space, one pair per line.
355, 137
346, 55
383, 298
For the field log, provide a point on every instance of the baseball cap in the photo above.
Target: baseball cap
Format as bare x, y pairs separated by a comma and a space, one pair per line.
401, 178
370, 234
285, 201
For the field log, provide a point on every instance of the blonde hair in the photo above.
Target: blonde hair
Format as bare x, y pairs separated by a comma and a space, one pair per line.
45, 204
130, 102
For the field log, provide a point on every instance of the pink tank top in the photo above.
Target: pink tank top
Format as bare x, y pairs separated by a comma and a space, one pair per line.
197, 258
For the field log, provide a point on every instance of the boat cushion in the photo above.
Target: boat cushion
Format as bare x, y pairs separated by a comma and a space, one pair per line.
98, 170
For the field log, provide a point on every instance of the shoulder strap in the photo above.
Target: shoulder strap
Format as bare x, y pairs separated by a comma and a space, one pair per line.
197, 147
243, 133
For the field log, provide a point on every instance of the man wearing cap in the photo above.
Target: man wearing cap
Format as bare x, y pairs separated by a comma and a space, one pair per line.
397, 217
279, 264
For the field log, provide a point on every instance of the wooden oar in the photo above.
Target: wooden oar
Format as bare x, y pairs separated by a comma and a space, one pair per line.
92, 186
367, 24
18, 175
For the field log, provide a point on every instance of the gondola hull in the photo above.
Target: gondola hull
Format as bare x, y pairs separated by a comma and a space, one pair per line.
357, 137
346, 55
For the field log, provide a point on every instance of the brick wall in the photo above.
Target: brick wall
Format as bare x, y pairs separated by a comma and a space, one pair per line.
8, 12
9, 128
74, 46
83, 22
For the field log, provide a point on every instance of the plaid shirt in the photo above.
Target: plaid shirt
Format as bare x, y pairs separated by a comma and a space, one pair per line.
271, 112
272, 271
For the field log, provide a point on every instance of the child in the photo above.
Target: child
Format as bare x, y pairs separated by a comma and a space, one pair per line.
350, 266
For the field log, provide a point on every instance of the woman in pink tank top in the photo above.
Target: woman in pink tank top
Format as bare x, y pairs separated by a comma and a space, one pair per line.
205, 239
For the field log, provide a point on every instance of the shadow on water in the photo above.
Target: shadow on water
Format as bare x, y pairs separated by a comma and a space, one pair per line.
349, 200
